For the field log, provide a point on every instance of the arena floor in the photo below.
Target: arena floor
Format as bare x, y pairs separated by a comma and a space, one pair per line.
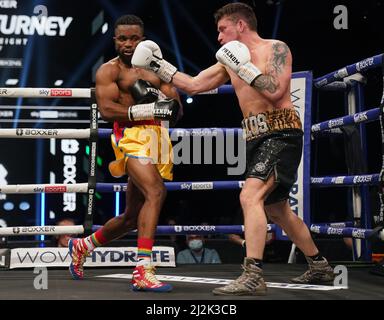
191, 282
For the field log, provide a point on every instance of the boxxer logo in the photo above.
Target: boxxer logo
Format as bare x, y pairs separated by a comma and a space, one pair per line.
19, 132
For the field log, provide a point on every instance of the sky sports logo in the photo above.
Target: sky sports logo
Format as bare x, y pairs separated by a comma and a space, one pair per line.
55, 189
61, 93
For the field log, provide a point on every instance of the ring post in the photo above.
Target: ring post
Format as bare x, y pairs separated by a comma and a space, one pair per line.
366, 248
93, 138
299, 197
380, 218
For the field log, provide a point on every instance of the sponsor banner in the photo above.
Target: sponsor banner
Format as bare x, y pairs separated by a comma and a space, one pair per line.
38, 230
11, 62
8, 4
17, 24
299, 199
45, 93
101, 257
197, 228
37, 132
296, 197
4, 258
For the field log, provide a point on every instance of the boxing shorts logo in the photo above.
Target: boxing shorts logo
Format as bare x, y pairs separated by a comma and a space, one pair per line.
255, 126
270, 121
260, 167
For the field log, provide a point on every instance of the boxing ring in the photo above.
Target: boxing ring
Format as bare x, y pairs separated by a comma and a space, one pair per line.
300, 198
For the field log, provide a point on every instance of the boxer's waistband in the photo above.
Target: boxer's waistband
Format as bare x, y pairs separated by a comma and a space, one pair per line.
130, 124
143, 123
270, 121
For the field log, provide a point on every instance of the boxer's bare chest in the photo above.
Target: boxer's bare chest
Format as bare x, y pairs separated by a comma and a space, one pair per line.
128, 76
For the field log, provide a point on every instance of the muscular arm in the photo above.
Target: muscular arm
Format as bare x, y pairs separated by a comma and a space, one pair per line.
274, 82
107, 96
207, 79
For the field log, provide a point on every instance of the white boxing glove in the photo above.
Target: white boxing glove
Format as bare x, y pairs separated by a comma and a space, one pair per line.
148, 56
236, 56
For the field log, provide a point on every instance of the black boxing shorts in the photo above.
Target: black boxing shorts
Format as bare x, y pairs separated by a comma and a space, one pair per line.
274, 142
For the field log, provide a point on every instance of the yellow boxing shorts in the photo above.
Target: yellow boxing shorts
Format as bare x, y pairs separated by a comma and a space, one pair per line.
148, 143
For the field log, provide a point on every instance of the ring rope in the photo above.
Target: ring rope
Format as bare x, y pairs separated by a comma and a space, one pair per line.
316, 182
33, 133
336, 86
7, 92
45, 92
336, 224
360, 117
39, 230
358, 180
79, 229
357, 233
196, 229
363, 65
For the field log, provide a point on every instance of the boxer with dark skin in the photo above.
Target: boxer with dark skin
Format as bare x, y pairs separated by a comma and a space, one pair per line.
260, 73
128, 97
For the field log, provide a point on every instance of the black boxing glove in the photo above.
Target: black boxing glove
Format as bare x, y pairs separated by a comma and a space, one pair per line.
144, 92
167, 109
163, 110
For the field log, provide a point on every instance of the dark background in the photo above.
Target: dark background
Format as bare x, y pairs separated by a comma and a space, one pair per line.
307, 28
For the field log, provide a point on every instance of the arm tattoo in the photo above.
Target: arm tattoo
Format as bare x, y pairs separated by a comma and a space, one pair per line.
280, 52
266, 82
269, 81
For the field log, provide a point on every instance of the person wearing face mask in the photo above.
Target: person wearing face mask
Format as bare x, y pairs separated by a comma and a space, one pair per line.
196, 253
61, 241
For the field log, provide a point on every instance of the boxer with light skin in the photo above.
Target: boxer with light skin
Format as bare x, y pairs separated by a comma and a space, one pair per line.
135, 101
260, 72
